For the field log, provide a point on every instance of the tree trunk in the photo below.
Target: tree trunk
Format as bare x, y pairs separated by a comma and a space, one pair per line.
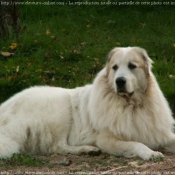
9, 17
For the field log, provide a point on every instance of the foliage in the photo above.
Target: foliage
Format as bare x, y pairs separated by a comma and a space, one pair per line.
67, 45
22, 160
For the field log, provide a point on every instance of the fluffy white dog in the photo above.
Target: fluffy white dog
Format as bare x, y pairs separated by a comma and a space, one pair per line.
123, 112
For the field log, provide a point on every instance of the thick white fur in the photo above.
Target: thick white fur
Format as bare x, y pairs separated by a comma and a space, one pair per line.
50, 120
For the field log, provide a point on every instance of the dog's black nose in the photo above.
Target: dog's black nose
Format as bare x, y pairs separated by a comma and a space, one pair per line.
121, 81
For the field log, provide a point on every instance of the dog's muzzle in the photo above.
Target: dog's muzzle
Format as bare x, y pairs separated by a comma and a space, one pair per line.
121, 82
121, 87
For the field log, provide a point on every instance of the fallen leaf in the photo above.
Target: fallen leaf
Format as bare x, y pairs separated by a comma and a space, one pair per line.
13, 46
61, 57
143, 24
53, 37
83, 44
12, 77
7, 54
39, 70
17, 69
134, 164
88, 26
118, 43
47, 55
75, 51
35, 42
171, 76
47, 32
29, 64
53, 79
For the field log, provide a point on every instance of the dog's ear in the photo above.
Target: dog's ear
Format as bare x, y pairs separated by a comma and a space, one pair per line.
147, 60
109, 56
111, 53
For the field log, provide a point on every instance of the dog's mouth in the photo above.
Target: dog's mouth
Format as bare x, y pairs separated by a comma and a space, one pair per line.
125, 93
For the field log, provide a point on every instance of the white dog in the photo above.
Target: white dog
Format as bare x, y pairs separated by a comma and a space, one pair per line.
123, 112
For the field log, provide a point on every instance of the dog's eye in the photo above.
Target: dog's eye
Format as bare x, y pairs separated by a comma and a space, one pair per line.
132, 66
115, 67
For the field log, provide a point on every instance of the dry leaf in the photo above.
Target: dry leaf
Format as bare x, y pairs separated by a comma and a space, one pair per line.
88, 26
39, 70
53, 79
47, 55
171, 76
47, 32
83, 44
13, 46
143, 24
53, 37
7, 54
12, 77
17, 69
134, 164
61, 57
75, 51
35, 42
118, 43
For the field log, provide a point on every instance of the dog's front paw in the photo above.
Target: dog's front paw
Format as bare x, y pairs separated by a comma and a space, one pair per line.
156, 155
152, 155
146, 153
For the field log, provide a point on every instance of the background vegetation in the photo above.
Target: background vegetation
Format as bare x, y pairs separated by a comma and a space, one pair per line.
67, 45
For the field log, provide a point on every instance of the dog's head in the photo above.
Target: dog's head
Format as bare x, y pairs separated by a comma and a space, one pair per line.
128, 70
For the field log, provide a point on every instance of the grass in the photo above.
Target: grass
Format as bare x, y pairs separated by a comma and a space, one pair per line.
22, 160
66, 45
79, 41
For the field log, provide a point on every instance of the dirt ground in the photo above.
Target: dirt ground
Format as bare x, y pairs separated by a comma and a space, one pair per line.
89, 165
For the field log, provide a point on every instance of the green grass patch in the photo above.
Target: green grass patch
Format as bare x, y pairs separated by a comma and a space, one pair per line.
22, 160
160, 159
66, 45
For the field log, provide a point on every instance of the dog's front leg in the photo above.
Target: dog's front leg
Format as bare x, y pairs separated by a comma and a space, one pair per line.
108, 143
170, 146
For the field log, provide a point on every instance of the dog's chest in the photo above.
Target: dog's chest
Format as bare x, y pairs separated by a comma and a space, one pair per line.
136, 124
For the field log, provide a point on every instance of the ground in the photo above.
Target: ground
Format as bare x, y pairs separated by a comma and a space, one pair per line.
88, 165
